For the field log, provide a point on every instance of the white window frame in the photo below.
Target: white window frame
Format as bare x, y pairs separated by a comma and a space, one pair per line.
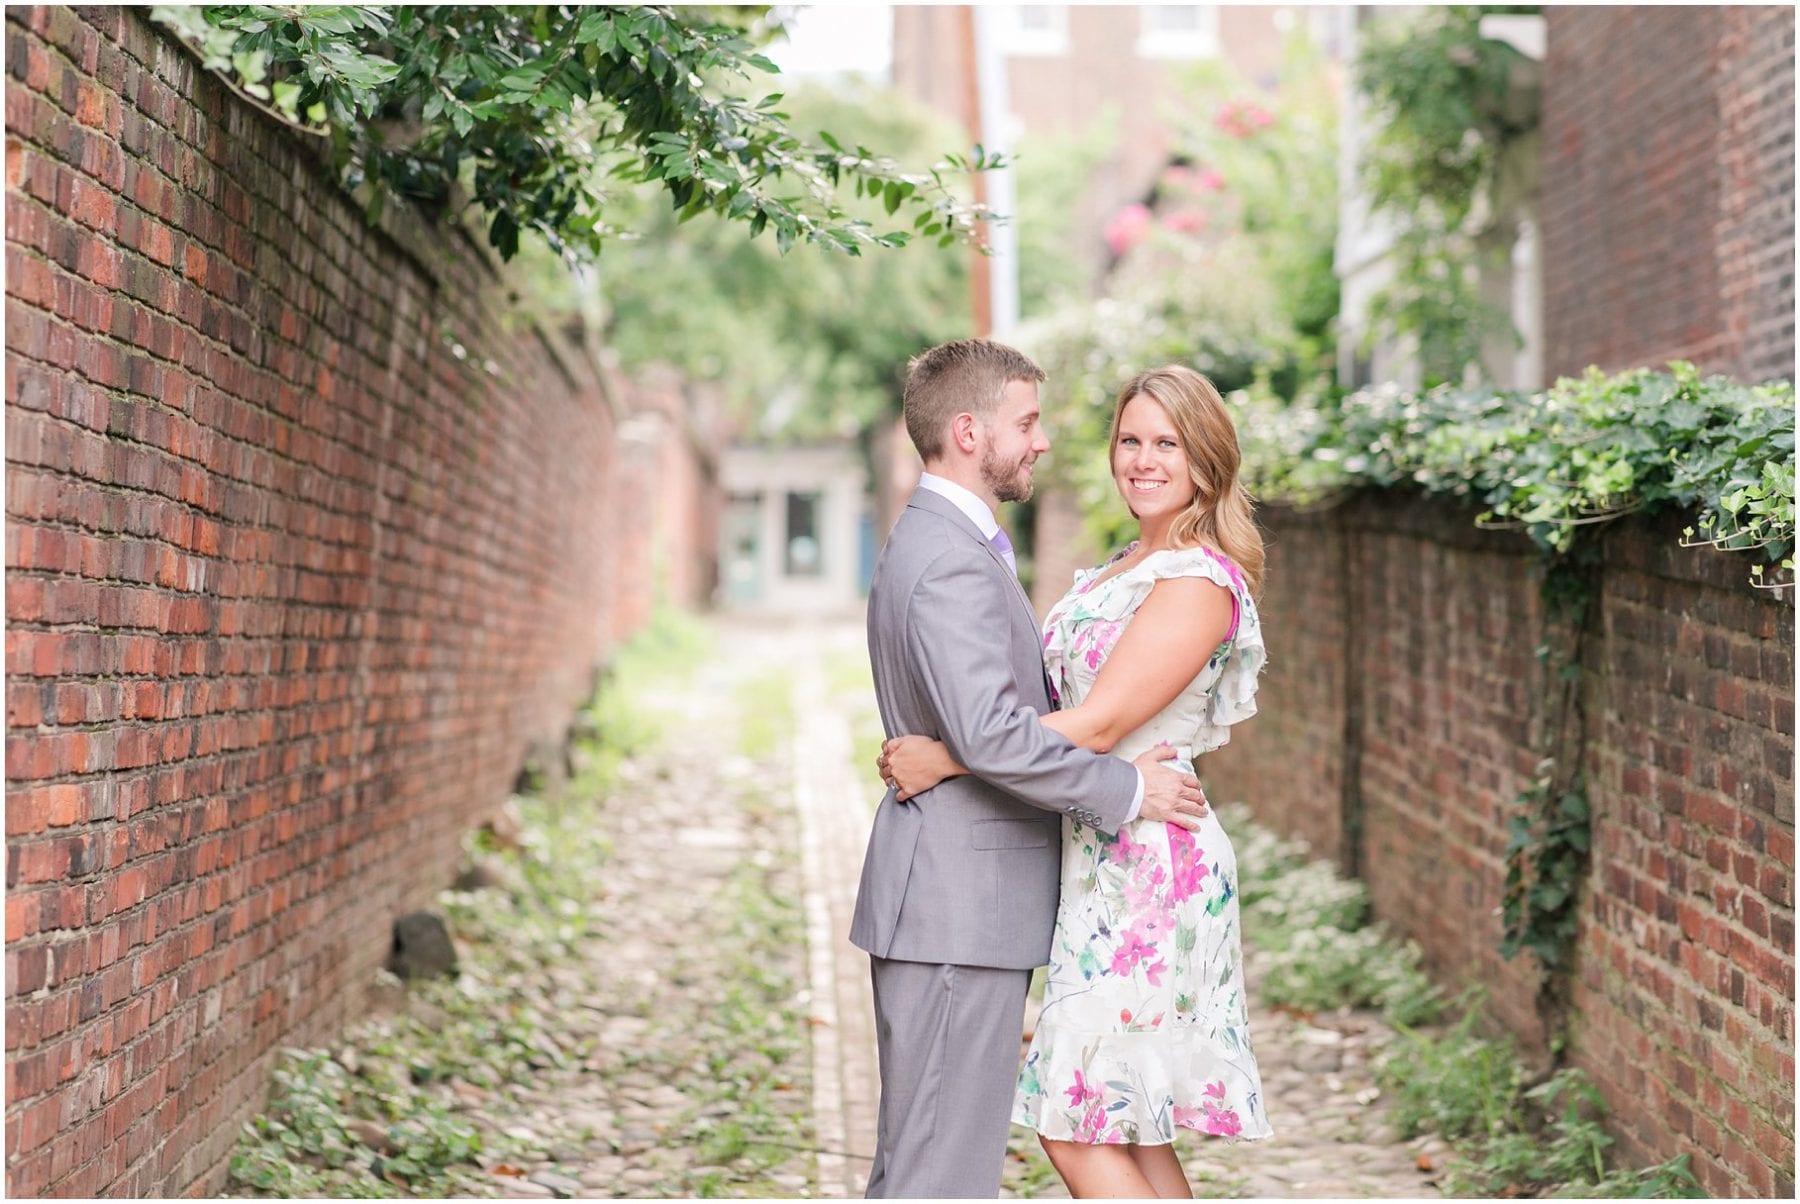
1017, 40
1155, 42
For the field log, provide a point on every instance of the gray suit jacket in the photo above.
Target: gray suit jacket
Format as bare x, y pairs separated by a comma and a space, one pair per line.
968, 873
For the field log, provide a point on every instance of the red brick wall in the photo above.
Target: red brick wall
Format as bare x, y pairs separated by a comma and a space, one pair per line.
1425, 628
1683, 1008
1294, 751
1756, 187
1667, 189
1061, 545
307, 541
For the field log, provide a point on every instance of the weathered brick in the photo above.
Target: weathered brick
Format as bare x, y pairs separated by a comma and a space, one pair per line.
213, 370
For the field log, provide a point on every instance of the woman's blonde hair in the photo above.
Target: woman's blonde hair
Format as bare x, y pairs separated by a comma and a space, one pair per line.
1220, 514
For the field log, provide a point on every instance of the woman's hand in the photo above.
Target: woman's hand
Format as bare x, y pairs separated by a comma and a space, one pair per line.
914, 764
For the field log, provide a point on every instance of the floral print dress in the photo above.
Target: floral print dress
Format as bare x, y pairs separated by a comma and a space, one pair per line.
1145, 1027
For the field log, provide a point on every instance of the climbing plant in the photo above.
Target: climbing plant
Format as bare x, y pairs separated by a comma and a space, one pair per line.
1554, 465
1442, 114
1585, 451
534, 114
1549, 835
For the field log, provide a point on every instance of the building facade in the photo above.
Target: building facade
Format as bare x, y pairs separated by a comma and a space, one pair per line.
797, 535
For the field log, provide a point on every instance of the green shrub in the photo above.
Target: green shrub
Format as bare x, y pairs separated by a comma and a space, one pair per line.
1309, 924
1546, 1140
1583, 451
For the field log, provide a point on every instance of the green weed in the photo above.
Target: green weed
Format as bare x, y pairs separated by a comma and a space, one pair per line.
1309, 925
766, 714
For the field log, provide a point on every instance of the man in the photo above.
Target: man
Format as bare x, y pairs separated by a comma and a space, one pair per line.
959, 886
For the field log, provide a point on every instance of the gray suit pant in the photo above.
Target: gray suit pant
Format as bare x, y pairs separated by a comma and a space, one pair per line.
948, 1037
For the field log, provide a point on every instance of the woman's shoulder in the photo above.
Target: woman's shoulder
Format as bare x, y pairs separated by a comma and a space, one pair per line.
1197, 560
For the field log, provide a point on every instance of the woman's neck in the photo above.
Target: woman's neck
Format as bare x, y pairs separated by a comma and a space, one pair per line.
1156, 535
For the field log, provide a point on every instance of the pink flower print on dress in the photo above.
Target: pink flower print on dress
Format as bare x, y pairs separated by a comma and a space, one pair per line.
1123, 849
1153, 973
1105, 635
1093, 1122
1190, 871
1082, 1092
1132, 950
1220, 1120
1188, 1118
1142, 893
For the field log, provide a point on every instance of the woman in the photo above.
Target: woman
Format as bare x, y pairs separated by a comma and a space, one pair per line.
1145, 1023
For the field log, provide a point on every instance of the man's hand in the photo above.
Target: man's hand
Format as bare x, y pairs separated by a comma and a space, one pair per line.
1169, 795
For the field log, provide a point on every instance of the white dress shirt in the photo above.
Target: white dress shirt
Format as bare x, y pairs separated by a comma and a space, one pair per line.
982, 516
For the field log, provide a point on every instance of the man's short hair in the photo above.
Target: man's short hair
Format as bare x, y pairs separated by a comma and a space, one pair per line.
969, 376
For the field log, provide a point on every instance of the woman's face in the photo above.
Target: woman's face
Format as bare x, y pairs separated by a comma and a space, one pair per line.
1148, 463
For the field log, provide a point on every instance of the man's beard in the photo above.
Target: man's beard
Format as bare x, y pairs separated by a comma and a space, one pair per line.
1009, 481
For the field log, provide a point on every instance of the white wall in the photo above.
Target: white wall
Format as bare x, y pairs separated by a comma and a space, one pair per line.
835, 472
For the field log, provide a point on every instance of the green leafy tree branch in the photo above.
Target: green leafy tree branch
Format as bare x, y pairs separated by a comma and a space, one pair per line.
537, 115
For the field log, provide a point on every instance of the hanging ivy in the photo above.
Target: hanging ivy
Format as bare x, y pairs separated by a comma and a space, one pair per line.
1552, 464
1549, 835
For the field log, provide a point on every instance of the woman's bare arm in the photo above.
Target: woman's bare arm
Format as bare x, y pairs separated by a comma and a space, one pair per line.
1168, 642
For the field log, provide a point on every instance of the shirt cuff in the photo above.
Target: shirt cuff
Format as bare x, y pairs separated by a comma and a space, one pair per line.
1137, 800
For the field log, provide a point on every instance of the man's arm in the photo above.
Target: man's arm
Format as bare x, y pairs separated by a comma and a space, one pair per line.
964, 667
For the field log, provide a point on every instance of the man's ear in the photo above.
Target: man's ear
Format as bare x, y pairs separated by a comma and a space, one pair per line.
962, 431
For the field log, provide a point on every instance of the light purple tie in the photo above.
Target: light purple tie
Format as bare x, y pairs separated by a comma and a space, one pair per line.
1003, 545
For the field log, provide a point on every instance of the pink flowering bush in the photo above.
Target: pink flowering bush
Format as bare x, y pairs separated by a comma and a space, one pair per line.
1127, 227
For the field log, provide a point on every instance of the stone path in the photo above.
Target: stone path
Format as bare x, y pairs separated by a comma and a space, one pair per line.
654, 1111
697, 1083
711, 1033
835, 809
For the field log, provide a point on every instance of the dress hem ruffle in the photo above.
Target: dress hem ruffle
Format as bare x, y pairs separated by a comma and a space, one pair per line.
1228, 1138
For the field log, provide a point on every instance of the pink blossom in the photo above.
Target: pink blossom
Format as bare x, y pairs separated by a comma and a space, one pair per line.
1092, 1122
1241, 118
1099, 638
1209, 180
1216, 1090
1132, 950
1190, 871
1187, 1118
1153, 973
1124, 850
1186, 221
1221, 1122
1127, 227
1081, 1092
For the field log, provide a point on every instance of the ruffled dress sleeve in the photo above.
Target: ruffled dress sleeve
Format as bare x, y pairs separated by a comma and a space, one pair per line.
1230, 676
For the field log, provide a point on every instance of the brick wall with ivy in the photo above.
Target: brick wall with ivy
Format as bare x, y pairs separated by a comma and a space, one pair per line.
308, 539
1668, 189
1681, 994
